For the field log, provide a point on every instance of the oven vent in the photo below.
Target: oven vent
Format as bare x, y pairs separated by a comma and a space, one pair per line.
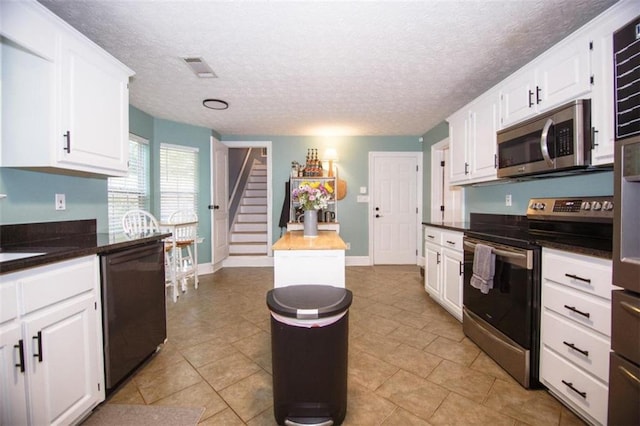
199, 67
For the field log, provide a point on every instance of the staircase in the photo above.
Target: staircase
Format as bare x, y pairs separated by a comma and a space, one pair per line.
249, 230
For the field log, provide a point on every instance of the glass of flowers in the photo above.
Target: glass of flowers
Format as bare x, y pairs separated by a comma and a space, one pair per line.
311, 197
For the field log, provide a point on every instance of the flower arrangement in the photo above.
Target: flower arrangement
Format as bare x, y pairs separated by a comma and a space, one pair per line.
312, 195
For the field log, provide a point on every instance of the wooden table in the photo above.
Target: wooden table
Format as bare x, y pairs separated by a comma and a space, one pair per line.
304, 260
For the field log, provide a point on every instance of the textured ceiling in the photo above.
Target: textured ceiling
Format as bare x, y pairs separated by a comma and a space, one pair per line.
312, 68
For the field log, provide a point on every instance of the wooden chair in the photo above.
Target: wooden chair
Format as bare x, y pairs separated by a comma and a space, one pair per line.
184, 225
137, 223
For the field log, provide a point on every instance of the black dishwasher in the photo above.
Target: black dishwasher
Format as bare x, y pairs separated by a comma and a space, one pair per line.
133, 308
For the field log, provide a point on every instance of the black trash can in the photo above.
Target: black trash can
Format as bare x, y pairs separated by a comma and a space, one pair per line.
309, 350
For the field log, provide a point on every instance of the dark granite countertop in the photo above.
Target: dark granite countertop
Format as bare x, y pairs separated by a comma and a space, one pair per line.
451, 226
58, 241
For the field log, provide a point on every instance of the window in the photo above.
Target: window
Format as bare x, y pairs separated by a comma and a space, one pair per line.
131, 191
178, 179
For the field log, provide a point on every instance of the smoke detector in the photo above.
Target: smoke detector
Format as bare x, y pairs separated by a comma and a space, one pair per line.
199, 67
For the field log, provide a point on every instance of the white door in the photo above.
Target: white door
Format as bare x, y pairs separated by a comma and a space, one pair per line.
394, 207
220, 197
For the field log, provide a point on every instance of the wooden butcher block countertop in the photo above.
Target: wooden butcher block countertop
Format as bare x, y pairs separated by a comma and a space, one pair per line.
326, 240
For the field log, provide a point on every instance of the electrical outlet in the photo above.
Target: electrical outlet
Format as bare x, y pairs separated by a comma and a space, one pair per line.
61, 203
507, 200
348, 246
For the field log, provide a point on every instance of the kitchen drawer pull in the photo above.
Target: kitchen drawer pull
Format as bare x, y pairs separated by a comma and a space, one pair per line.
573, 309
20, 347
461, 268
570, 385
573, 346
451, 242
430, 236
39, 339
575, 277
530, 96
630, 376
67, 136
629, 307
438, 259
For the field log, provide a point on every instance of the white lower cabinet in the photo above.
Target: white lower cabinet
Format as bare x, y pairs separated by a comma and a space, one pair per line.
443, 278
576, 330
51, 350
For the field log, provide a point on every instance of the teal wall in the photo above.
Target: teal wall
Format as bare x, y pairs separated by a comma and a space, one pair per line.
159, 131
30, 197
491, 198
353, 167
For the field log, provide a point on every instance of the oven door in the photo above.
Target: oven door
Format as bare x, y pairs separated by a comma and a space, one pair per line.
511, 304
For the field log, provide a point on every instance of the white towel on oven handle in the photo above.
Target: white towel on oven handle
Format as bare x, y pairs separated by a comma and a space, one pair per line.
484, 264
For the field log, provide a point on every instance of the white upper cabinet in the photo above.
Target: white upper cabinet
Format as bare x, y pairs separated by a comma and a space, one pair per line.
472, 136
558, 76
65, 100
601, 34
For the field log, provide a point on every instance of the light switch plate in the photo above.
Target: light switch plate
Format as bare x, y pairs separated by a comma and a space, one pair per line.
507, 200
363, 189
363, 198
61, 203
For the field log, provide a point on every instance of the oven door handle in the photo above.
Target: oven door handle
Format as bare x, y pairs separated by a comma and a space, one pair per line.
544, 139
499, 252
518, 258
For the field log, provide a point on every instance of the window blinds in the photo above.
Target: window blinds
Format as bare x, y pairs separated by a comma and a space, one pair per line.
131, 191
178, 179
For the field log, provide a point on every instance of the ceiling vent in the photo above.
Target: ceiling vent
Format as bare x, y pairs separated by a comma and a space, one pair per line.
200, 67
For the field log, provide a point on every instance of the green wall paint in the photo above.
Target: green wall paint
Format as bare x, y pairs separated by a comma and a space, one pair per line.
30, 197
353, 167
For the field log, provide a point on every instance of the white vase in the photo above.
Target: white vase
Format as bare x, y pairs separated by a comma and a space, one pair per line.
310, 223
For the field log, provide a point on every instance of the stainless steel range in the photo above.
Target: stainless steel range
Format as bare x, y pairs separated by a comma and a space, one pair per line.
505, 320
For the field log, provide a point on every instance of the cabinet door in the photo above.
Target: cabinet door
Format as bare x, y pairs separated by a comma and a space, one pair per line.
602, 115
64, 382
564, 76
458, 136
517, 98
13, 397
482, 138
432, 269
452, 280
93, 135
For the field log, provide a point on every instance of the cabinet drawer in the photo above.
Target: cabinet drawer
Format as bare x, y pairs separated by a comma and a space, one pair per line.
432, 235
452, 240
566, 381
41, 287
586, 273
592, 312
577, 344
8, 301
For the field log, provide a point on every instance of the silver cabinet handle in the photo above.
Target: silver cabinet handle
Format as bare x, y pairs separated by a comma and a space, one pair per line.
630, 308
630, 376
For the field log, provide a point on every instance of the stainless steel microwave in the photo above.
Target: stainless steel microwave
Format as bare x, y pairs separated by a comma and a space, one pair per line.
554, 141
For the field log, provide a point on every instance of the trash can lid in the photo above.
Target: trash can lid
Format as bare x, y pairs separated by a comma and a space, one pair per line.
309, 301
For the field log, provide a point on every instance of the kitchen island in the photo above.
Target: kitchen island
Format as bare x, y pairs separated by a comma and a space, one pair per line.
304, 260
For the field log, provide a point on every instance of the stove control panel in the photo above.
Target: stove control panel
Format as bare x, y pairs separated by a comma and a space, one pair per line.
572, 208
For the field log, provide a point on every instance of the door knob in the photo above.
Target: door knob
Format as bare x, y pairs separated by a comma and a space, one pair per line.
378, 215
377, 209
214, 207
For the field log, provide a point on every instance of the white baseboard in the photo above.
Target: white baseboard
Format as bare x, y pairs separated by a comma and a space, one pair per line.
267, 261
357, 261
247, 262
